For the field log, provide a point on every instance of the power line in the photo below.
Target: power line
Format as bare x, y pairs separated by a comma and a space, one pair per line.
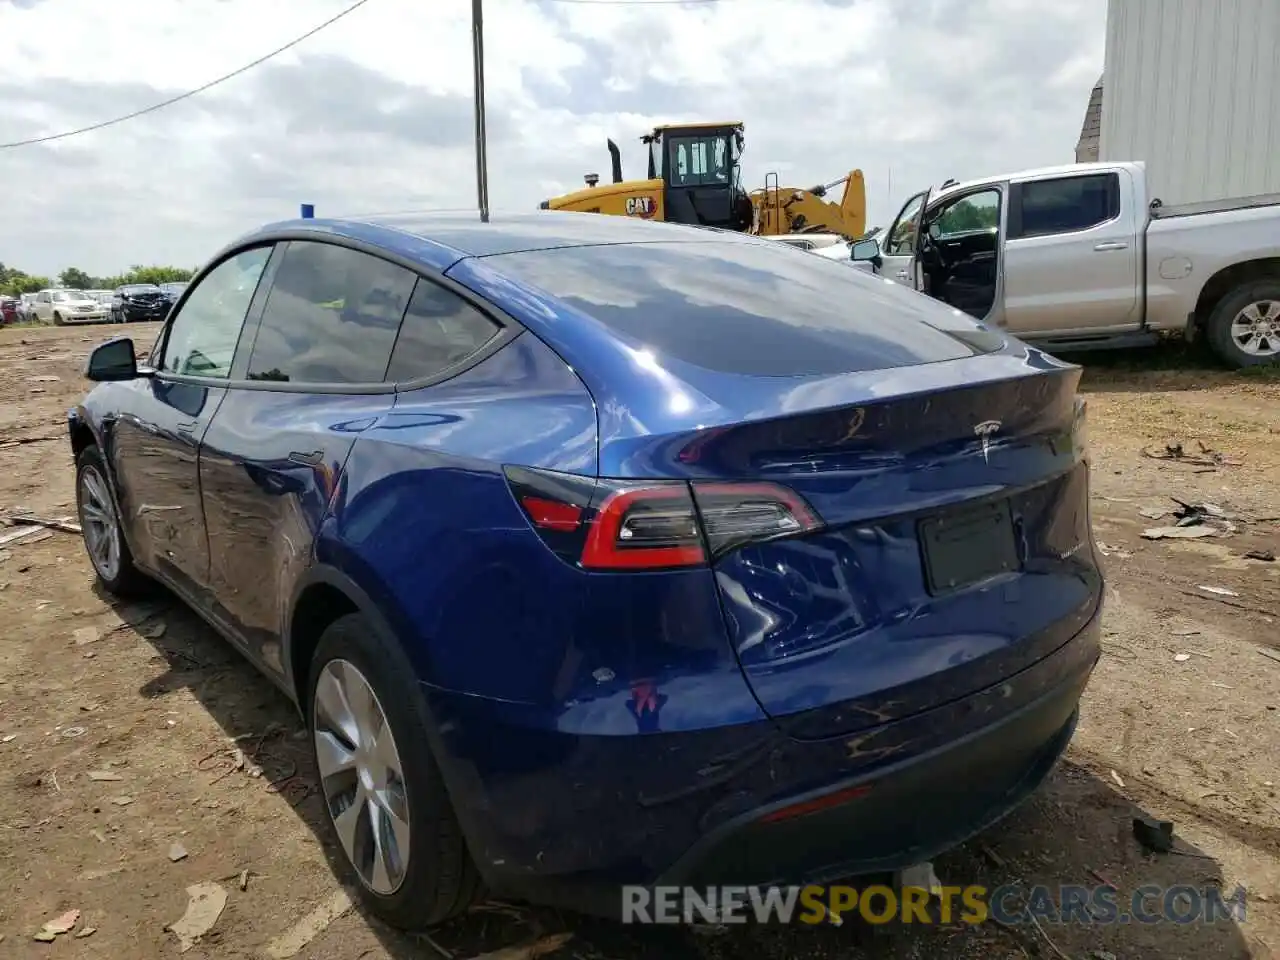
190, 93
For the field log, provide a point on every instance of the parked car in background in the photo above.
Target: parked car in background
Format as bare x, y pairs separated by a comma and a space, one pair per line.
58, 306
27, 307
540, 521
829, 245
10, 309
173, 290
102, 296
139, 301
812, 241
1081, 257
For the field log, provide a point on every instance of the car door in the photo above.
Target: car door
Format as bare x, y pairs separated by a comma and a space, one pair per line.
960, 251
901, 240
155, 438
1072, 259
271, 460
44, 306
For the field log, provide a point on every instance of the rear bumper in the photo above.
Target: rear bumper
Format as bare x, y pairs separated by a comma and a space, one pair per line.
909, 813
575, 816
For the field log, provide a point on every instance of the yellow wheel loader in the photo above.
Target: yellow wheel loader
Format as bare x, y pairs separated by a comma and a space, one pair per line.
695, 177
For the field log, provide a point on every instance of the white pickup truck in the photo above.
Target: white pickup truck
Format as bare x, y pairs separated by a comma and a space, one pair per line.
1078, 257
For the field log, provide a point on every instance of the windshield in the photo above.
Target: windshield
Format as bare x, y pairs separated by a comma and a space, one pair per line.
700, 160
62, 296
140, 288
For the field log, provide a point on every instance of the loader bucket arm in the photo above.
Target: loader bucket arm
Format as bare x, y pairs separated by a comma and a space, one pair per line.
853, 205
781, 210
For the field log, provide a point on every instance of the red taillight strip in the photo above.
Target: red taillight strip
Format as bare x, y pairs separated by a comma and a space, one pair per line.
818, 804
601, 550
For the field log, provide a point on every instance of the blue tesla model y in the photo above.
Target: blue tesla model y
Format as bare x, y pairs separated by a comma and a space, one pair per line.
597, 552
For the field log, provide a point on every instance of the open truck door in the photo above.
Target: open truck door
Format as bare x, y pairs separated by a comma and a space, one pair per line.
899, 254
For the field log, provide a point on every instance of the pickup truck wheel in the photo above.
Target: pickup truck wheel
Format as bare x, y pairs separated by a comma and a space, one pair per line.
1244, 328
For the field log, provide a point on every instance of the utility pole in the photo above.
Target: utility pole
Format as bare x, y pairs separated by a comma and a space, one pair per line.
477, 61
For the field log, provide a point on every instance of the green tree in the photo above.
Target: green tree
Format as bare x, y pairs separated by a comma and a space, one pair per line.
20, 283
14, 281
152, 274
76, 279
965, 216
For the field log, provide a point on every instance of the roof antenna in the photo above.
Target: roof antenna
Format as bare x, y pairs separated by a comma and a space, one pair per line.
477, 63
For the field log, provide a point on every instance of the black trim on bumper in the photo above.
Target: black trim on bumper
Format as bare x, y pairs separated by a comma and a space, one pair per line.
912, 812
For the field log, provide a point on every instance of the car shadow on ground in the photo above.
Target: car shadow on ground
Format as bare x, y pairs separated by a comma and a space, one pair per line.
1076, 832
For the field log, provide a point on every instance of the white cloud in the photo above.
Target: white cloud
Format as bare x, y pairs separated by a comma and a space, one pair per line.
374, 114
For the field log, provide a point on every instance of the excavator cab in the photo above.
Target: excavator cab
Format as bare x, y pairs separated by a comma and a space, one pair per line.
699, 165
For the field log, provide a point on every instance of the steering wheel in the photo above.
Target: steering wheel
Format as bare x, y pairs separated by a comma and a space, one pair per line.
931, 247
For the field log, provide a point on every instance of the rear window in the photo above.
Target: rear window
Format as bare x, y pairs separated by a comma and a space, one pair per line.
751, 308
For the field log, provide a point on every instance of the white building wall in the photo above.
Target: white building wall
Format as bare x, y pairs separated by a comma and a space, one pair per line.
1193, 88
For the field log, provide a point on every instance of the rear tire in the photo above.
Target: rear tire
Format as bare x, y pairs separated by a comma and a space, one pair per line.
389, 777
1254, 305
111, 558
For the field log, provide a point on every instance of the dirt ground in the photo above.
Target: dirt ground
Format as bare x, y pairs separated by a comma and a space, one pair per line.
126, 731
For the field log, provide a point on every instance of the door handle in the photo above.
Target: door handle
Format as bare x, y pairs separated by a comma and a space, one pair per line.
189, 427
307, 459
903, 275
1111, 245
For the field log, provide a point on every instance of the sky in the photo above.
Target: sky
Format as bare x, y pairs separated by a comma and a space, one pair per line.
374, 114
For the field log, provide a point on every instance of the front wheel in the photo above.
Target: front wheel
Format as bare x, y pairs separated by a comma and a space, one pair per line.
1244, 328
388, 808
100, 528
57, 319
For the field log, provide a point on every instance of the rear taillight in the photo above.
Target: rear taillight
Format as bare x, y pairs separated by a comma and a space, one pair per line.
653, 525
737, 513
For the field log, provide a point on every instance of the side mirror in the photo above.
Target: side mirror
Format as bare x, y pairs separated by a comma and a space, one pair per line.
113, 361
866, 250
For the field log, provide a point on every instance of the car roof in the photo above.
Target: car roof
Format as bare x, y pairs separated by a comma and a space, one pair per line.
441, 239
1059, 170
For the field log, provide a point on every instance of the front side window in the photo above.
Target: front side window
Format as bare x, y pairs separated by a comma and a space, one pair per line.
331, 317
902, 235
975, 213
202, 336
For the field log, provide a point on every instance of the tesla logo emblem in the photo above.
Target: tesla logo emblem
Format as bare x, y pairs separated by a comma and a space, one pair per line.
985, 431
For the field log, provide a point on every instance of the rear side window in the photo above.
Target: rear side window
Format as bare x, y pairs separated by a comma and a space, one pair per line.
331, 317
750, 307
1068, 204
440, 329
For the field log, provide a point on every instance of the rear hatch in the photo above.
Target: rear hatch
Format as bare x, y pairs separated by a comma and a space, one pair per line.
949, 548
941, 540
